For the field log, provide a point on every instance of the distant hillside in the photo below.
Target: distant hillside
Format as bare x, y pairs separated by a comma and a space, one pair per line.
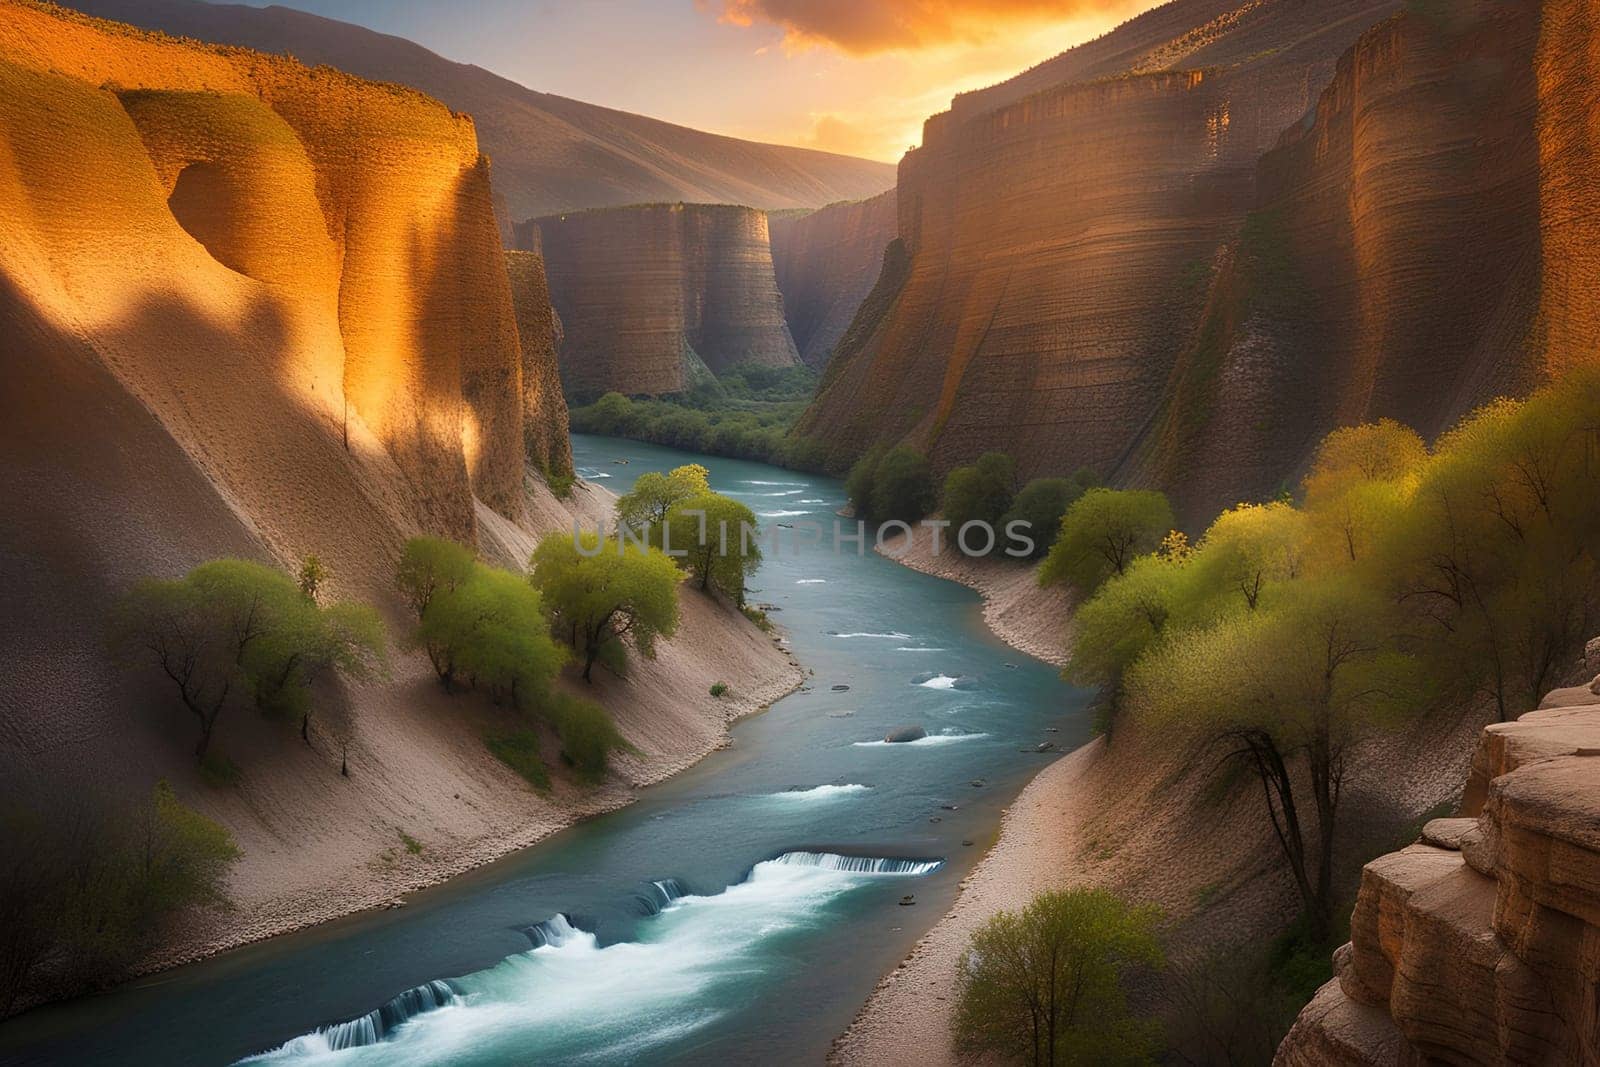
550, 154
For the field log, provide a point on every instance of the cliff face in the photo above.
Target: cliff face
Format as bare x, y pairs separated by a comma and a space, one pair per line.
1480, 944
545, 429
651, 295
826, 263
551, 154
1423, 243
1059, 238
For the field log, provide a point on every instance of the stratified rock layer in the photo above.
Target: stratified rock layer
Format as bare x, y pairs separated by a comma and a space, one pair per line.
826, 263
1060, 237
1425, 241
650, 296
544, 434
1480, 944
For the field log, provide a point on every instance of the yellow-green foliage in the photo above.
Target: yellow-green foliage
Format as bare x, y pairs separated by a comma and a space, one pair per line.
1102, 533
644, 508
490, 631
1045, 985
711, 529
1408, 578
601, 592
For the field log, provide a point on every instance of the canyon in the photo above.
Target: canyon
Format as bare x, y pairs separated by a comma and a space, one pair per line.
1188, 240
551, 154
826, 262
655, 296
261, 310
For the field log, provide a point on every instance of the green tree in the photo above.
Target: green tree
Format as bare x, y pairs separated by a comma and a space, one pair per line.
980, 493
654, 495
606, 593
711, 529
1045, 985
1126, 616
1247, 549
1101, 535
1041, 504
902, 486
429, 565
1299, 680
233, 630
491, 631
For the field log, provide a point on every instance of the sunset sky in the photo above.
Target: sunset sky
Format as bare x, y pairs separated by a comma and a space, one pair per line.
855, 76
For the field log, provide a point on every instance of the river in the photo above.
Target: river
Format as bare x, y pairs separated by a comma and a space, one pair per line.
738, 913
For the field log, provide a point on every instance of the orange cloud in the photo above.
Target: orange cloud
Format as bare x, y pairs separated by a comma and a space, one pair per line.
863, 27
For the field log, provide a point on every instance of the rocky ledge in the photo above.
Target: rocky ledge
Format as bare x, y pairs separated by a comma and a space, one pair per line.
1480, 944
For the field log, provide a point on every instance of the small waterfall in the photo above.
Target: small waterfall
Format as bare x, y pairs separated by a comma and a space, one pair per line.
554, 931
375, 1025
661, 895
832, 861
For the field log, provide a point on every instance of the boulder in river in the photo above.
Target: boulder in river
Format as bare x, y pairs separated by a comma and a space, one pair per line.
902, 734
840, 688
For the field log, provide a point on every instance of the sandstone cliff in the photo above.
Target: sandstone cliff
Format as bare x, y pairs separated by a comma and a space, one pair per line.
1057, 235
826, 263
1480, 944
550, 153
649, 296
1424, 241
253, 309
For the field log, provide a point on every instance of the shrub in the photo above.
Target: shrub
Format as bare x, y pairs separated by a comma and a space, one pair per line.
902, 486
718, 688
1044, 985
587, 735
1041, 504
519, 750
863, 477
84, 893
980, 493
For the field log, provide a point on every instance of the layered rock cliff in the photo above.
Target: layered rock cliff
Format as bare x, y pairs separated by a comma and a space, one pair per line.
826, 263
1480, 944
1424, 241
1103, 272
1059, 236
652, 295
539, 329
550, 153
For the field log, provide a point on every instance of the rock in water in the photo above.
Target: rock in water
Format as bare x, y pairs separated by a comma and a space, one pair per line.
901, 734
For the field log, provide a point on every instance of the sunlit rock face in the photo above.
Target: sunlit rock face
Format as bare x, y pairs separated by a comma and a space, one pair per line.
826, 263
650, 296
1423, 242
296, 272
1061, 229
1478, 944
545, 422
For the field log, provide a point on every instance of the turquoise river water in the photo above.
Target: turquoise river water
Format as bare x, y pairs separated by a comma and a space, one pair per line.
739, 913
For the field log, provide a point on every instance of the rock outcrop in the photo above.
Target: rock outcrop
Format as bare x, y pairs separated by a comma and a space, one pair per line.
545, 429
1424, 241
1060, 235
651, 296
1480, 944
826, 263
550, 153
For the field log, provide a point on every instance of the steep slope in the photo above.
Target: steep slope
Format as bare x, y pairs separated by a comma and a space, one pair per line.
550, 154
1422, 243
826, 263
650, 296
1058, 237
1476, 945
253, 309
